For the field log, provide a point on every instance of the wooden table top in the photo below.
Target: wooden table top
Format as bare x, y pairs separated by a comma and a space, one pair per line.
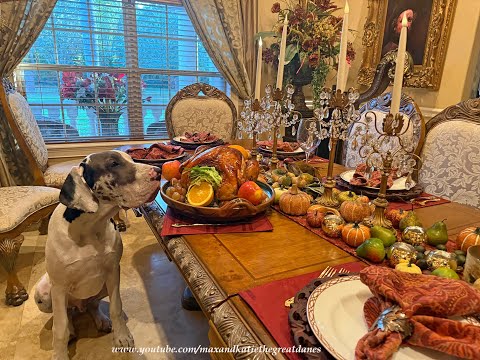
241, 261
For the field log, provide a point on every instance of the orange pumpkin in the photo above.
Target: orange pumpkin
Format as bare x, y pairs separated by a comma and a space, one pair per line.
354, 210
363, 198
468, 237
316, 214
395, 215
355, 234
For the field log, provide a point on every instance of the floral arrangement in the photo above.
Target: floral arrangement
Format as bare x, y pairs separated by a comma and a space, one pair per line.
109, 90
313, 40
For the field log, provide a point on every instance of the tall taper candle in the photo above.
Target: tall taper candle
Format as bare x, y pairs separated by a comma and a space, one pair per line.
258, 75
342, 73
398, 82
281, 57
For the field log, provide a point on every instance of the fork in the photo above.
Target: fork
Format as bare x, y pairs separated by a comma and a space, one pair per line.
327, 272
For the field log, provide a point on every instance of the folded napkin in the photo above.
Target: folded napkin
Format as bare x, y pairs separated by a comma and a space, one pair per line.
426, 300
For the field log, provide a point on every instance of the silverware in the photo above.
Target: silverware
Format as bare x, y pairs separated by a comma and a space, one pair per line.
327, 272
177, 225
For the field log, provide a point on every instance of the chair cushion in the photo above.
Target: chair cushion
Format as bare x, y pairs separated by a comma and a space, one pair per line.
19, 202
195, 114
56, 174
27, 124
451, 162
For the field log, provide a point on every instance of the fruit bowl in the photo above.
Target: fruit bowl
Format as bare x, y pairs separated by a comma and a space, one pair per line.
233, 210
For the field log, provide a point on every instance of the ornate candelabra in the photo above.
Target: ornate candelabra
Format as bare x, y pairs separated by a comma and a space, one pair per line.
335, 115
385, 150
273, 111
252, 122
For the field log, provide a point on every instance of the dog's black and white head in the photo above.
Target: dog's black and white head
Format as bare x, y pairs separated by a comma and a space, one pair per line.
109, 177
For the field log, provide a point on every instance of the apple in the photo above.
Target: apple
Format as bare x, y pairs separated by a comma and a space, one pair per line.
252, 192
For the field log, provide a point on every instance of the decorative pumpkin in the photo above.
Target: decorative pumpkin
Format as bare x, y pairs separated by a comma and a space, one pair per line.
408, 268
316, 214
355, 211
294, 202
355, 234
468, 237
395, 215
364, 199
346, 195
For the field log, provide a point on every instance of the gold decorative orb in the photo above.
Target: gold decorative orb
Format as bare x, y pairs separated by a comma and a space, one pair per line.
401, 252
332, 225
414, 235
440, 258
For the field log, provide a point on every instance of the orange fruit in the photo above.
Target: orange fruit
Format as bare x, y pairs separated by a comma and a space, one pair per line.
245, 152
171, 170
200, 194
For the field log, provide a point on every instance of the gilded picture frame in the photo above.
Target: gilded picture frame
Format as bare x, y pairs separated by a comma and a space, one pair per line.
437, 26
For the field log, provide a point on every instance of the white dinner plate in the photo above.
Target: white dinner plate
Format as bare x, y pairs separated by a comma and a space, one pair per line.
182, 139
335, 315
398, 184
296, 152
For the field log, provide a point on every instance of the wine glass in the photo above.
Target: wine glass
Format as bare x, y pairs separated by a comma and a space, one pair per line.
308, 135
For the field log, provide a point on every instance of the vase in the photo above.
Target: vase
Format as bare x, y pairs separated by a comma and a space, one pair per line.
108, 123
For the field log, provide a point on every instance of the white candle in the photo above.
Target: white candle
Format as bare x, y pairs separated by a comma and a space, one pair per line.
281, 57
258, 76
342, 73
398, 82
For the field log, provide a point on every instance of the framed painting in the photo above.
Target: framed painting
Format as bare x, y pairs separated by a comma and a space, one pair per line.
429, 25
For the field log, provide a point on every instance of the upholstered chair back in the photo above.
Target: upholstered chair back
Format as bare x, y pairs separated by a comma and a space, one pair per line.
190, 111
373, 112
451, 154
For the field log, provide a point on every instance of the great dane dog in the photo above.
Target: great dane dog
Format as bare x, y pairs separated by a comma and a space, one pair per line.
83, 248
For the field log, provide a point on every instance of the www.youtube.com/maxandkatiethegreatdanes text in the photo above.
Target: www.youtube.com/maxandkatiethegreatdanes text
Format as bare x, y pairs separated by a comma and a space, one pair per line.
207, 350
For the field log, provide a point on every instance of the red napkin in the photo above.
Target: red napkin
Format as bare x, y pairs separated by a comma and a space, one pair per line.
258, 223
268, 303
426, 300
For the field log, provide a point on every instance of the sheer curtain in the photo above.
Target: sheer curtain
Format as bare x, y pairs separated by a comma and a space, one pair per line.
227, 29
20, 24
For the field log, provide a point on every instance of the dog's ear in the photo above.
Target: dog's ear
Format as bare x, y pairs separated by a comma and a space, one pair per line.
76, 194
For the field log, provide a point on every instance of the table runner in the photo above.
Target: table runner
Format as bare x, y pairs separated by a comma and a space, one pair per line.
408, 206
267, 301
258, 223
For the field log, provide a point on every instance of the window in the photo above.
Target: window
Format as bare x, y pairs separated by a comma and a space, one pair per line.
108, 68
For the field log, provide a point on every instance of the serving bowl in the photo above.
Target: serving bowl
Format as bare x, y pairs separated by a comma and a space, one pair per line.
233, 210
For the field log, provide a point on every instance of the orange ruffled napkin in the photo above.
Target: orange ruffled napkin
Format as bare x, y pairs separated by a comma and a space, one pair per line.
427, 301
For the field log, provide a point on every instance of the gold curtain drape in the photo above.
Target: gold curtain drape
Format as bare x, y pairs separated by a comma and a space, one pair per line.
227, 29
21, 21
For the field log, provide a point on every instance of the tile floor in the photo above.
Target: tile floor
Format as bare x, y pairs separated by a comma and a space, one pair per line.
151, 287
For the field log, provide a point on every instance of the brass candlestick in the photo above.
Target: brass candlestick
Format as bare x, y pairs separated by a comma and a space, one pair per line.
386, 151
335, 115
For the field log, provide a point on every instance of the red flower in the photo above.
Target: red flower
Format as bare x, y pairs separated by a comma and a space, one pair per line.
313, 60
276, 8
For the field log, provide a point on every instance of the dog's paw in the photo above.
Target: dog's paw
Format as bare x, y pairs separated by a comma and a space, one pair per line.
122, 338
102, 321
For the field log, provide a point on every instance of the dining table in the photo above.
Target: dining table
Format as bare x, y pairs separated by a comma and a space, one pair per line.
218, 267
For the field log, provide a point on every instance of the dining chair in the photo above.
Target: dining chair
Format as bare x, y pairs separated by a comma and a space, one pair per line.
20, 207
451, 154
376, 109
190, 111
27, 133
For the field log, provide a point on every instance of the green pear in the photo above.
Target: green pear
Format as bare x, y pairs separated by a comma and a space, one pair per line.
437, 233
372, 249
386, 235
410, 220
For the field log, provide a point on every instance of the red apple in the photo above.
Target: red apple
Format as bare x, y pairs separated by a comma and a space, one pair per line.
252, 192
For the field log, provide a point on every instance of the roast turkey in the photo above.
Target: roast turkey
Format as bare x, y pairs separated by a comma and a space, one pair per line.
230, 164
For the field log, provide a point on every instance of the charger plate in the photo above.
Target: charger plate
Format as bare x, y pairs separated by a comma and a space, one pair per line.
398, 184
335, 315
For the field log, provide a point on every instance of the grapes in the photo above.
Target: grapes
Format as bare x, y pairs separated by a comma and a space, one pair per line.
176, 196
170, 191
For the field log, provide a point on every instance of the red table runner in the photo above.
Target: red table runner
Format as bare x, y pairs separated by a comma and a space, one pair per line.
258, 223
268, 303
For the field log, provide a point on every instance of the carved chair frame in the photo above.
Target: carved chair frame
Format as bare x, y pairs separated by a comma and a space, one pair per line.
429, 74
6, 88
382, 104
468, 110
192, 92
